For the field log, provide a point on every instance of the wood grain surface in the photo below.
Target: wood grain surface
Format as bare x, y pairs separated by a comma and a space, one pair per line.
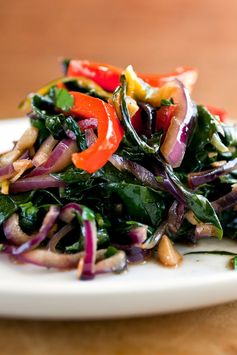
154, 36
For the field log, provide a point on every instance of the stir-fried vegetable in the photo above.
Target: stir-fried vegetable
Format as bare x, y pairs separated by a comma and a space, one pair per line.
116, 168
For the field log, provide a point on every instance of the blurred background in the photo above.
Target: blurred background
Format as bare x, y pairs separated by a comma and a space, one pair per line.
153, 35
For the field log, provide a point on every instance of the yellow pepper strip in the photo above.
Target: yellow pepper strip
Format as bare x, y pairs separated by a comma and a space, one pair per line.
141, 91
83, 82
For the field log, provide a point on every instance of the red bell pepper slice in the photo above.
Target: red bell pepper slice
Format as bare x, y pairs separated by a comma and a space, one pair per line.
110, 131
108, 76
218, 111
164, 116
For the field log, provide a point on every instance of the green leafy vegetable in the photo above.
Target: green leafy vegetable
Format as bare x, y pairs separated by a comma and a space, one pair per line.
63, 100
7, 207
28, 216
141, 203
126, 120
49, 121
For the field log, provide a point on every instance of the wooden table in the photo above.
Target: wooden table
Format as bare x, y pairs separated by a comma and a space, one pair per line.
153, 36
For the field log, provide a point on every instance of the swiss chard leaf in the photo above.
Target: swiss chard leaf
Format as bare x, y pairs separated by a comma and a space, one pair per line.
204, 211
126, 120
70, 125
43, 132
197, 151
199, 204
205, 128
57, 124
72, 175
28, 216
7, 207
141, 203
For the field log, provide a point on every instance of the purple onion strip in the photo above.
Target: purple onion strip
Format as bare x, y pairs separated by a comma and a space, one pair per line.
141, 173
225, 202
58, 159
155, 238
138, 234
6, 171
47, 224
175, 216
116, 263
203, 177
13, 231
89, 231
36, 182
49, 259
54, 240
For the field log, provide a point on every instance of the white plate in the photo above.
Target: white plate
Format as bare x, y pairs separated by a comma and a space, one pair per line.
29, 291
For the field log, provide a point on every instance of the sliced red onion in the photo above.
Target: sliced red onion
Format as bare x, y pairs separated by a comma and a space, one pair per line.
54, 240
116, 263
90, 136
90, 250
141, 173
58, 159
49, 259
174, 146
135, 254
33, 243
13, 231
25, 155
175, 216
225, 202
203, 230
155, 238
162, 172
6, 172
203, 177
138, 235
70, 134
88, 123
35, 183
89, 231
43, 153
69, 211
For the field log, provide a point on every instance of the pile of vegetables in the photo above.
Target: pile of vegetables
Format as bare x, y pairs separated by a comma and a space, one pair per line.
116, 168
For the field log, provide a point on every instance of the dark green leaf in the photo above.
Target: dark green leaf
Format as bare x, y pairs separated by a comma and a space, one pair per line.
43, 132
197, 151
69, 124
54, 125
142, 203
72, 175
28, 216
204, 211
7, 207
126, 120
